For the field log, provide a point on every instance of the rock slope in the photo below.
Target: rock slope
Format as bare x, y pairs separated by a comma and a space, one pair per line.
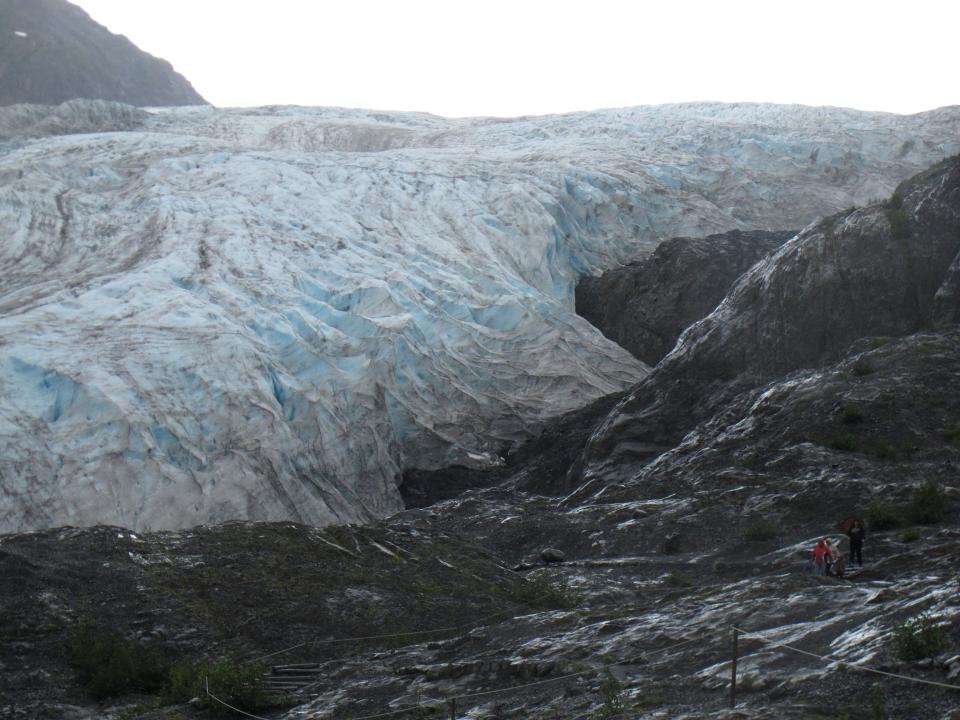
644, 306
51, 51
884, 270
273, 313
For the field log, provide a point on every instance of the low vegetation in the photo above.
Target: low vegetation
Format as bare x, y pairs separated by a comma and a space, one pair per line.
851, 415
761, 529
678, 579
919, 637
611, 692
852, 442
235, 683
542, 592
882, 515
928, 504
109, 665
898, 218
862, 367
909, 536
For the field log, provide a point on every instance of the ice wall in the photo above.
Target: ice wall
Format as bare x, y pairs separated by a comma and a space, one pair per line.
270, 313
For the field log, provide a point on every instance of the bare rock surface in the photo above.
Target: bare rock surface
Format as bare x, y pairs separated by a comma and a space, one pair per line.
645, 305
882, 270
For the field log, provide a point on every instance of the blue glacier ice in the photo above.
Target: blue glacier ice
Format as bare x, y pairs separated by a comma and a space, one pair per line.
210, 314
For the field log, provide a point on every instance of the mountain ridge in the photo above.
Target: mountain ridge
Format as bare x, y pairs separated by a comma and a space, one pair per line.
52, 51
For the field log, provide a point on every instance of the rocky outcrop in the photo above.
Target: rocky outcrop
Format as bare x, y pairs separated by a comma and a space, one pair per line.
51, 51
644, 306
884, 270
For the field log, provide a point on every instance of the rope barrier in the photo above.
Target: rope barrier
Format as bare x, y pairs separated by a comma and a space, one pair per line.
411, 708
413, 633
440, 703
353, 639
206, 682
437, 703
522, 687
827, 658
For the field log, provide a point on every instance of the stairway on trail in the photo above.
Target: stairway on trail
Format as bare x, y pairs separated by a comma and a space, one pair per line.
292, 679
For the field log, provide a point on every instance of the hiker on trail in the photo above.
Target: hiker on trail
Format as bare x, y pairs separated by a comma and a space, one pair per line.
857, 533
821, 553
838, 564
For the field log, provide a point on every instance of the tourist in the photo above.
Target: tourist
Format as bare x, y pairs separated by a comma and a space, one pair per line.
821, 554
857, 533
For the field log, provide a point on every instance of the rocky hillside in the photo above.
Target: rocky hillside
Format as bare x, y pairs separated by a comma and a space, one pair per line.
275, 313
885, 270
51, 51
645, 305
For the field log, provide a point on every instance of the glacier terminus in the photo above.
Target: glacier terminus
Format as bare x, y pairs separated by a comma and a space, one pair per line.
209, 314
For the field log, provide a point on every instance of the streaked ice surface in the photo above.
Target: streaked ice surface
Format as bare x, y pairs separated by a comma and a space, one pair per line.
270, 313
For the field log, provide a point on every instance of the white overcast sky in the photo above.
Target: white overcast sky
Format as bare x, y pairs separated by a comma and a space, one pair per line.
516, 57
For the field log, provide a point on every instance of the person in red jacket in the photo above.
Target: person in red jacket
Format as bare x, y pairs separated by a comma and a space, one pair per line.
821, 555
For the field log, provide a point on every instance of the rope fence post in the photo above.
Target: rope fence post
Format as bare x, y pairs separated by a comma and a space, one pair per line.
453, 708
733, 671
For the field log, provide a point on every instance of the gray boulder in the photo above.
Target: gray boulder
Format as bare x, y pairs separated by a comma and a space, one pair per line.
552, 555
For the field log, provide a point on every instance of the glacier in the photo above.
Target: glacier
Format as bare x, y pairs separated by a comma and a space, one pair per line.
270, 313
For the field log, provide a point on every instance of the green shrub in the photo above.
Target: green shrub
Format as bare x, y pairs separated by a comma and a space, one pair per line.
845, 442
611, 692
540, 592
862, 367
952, 434
919, 637
851, 416
761, 529
235, 683
909, 536
928, 503
678, 579
899, 223
882, 515
109, 665
881, 449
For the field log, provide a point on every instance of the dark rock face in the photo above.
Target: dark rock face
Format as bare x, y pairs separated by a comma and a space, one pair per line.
885, 270
52, 51
645, 306
552, 555
825, 441
538, 466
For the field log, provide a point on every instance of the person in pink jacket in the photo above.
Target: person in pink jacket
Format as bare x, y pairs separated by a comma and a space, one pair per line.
821, 556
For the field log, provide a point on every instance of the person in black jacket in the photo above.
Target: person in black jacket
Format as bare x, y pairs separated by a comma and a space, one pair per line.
857, 533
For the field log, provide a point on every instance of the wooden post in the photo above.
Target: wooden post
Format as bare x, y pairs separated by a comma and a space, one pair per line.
453, 709
733, 671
